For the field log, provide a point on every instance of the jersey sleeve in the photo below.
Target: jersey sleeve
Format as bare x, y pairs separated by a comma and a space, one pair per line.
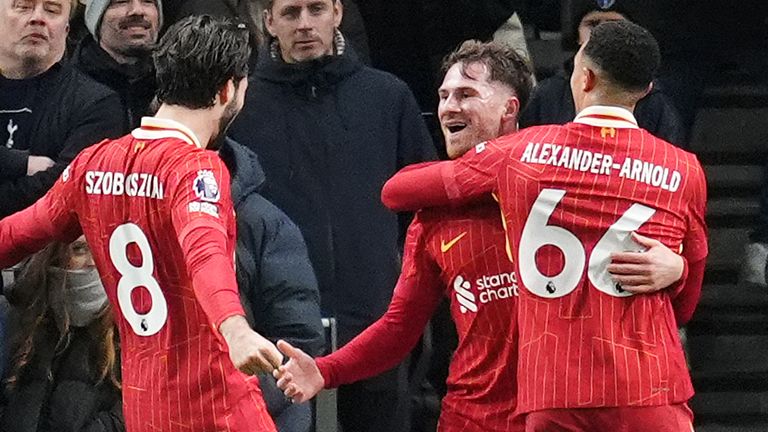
448, 183
387, 341
695, 246
695, 249
202, 217
52, 217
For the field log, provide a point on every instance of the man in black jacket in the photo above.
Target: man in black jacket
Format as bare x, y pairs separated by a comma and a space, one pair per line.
552, 101
117, 51
330, 131
275, 278
48, 111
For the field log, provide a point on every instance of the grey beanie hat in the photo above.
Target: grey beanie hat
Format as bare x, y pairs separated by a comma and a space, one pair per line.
95, 9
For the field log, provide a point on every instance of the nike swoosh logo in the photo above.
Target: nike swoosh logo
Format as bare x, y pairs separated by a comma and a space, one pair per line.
445, 246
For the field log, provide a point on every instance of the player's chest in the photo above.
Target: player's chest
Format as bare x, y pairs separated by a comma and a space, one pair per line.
477, 275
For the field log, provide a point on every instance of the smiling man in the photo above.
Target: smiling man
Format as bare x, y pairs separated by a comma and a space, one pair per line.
117, 53
329, 132
48, 111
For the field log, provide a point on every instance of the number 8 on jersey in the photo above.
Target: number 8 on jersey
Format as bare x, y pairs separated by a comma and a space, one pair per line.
132, 277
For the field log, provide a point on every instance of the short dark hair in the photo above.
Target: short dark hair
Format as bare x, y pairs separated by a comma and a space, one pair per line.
196, 57
504, 63
626, 52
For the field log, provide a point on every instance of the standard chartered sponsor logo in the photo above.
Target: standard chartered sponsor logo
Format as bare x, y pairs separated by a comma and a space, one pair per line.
489, 287
464, 295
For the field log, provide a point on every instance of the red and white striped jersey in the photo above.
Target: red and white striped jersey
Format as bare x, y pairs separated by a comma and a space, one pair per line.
140, 200
460, 254
570, 196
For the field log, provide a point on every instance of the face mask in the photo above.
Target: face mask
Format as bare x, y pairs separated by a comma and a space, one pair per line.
84, 296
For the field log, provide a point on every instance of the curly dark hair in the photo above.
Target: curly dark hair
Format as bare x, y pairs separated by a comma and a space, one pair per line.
505, 65
196, 57
626, 52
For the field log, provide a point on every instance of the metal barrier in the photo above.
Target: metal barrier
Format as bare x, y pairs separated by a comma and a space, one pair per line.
326, 410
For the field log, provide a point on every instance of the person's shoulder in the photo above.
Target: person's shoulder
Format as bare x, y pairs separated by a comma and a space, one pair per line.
383, 79
82, 87
255, 213
673, 152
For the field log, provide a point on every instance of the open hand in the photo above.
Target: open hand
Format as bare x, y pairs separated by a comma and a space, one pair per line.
299, 378
656, 268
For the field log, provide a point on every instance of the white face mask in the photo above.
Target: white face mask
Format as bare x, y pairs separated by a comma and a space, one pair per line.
84, 296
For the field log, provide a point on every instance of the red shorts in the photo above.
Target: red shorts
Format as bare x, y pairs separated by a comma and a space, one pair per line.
665, 418
451, 421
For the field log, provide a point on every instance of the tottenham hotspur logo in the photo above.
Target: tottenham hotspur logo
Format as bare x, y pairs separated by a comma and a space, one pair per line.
205, 186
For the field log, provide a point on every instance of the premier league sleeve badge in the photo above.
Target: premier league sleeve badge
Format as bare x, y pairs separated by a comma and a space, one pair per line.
205, 186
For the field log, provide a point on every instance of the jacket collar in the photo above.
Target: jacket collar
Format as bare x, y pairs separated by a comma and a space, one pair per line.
245, 169
320, 73
91, 58
607, 116
158, 128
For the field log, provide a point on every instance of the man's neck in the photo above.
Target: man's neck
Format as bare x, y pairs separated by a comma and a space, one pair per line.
607, 100
17, 71
201, 122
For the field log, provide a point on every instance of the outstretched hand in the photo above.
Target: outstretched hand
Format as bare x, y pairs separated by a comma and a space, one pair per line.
656, 268
299, 378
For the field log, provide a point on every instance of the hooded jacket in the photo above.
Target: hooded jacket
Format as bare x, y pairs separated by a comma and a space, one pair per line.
329, 133
277, 284
273, 270
135, 84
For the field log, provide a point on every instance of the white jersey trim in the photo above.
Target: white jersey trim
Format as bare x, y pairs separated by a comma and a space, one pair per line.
595, 116
158, 128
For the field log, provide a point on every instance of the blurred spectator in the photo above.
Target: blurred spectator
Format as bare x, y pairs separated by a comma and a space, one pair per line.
65, 369
251, 12
329, 132
754, 267
117, 52
552, 101
277, 284
48, 111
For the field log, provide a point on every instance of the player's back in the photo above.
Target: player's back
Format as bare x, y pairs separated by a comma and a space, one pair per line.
468, 244
142, 193
571, 196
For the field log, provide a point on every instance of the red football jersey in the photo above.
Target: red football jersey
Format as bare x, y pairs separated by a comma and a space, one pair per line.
458, 253
156, 211
570, 196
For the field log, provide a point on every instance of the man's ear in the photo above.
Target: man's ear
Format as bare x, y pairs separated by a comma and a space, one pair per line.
338, 11
268, 24
226, 92
512, 107
590, 79
511, 115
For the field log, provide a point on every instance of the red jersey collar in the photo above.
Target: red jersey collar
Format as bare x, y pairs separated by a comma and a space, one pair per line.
607, 116
159, 128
